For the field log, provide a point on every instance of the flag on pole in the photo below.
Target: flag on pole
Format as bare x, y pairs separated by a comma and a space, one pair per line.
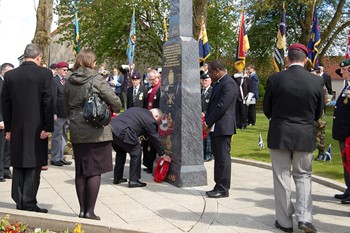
165, 31
315, 40
348, 48
328, 155
261, 142
130, 51
76, 41
242, 46
204, 47
280, 47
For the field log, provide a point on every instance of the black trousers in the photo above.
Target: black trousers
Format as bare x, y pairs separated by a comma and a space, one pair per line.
2, 146
252, 114
346, 173
241, 115
7, 157
149, 155
220, 147
25, 185
134, 151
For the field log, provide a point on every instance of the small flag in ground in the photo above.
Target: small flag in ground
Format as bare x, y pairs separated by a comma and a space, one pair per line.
261, 142
328, 155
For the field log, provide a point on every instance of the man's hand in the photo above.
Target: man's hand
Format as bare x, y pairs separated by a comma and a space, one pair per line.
167, 158
8, 136
2, 125
206, 127
55, 117
44, 134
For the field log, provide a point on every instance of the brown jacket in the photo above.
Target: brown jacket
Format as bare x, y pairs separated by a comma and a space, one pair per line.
76, 94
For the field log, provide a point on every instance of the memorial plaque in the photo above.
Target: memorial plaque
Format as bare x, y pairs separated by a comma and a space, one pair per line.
181, 128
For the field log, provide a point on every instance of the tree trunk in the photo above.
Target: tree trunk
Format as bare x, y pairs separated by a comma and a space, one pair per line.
199, 9
42, 34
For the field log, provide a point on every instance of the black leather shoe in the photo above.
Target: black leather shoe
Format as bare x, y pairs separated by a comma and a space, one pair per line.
59, 163
345, 200
118, 181
81, 214
37, 209
92, 216
65, 162
8, 176
320, 156
136, 184
217, 194
2, 179
341, 196
307, 227
285, 229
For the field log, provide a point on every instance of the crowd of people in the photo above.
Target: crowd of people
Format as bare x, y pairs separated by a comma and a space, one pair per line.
37, 101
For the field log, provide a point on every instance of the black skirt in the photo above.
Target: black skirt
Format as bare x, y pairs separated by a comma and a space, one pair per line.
92, 159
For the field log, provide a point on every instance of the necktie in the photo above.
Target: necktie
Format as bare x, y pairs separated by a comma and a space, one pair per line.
63, 81
134, 95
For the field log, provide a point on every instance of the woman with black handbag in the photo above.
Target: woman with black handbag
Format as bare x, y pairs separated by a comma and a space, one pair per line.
91, 142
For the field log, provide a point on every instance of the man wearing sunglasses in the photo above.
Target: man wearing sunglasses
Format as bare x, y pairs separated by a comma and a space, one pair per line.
59, 135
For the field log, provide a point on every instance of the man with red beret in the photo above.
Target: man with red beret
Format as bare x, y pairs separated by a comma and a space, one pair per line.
59, 135
293, 101
341, 124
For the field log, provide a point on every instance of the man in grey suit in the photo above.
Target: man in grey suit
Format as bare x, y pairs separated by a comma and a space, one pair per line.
293, 102
220, 119
28, 117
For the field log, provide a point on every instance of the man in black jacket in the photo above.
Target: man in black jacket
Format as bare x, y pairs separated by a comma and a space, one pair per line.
136, 94
127, 128
293, 101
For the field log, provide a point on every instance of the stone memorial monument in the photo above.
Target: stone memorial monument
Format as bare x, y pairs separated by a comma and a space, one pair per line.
181, 127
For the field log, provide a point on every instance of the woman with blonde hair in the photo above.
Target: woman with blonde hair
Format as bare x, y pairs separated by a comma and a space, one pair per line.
92, 146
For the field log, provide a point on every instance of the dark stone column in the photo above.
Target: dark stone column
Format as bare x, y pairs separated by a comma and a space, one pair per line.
181, 127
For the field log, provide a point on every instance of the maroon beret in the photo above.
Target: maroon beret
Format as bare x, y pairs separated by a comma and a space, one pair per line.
300, 47
62, 64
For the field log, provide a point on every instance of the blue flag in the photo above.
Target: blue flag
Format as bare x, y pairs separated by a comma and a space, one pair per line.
76, 41
204, 47
315, 40
130, 51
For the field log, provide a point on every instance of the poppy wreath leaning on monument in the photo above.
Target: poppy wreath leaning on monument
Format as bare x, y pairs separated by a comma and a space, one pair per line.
161, 170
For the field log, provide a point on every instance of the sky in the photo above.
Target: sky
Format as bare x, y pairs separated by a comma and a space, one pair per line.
17, 28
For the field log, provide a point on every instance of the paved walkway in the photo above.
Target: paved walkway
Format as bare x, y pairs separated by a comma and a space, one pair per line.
161, 207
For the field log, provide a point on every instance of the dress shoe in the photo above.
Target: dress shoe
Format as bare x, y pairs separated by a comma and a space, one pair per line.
8, 176
147, 170
18, 207
208, 158
37, 209
341, 196
136, 184
320, 156
2, 179
65, 162
59, 163
92, 216
345, 200
81, 214
118, 181
285, 229
217, 194
307, 227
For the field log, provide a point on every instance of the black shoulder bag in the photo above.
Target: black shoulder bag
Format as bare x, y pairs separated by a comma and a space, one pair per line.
96, 111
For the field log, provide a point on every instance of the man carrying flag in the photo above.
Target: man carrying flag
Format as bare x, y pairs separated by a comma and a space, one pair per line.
280, 47
242, 46
315, 40
204, 47
76, 42
130, 51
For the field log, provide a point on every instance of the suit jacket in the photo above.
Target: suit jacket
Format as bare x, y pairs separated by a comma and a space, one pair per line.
293, 101
156, 99
1, 85
341, 120
205, 99
254, 85
327, 82
140, 99
58, 97
135, 122
27, 110
222, 105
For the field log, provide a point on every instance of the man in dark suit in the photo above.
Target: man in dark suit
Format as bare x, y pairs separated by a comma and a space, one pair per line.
59, 135
127, 128
254, 89
28, 116
205, 97
220, 119
327, 80
136, 94
4, 158
243, 84
293, 101
341, 123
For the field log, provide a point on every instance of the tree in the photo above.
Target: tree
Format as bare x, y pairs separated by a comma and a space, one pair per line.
42, 34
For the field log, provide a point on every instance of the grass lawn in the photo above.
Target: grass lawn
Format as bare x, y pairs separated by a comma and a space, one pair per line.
245, 145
